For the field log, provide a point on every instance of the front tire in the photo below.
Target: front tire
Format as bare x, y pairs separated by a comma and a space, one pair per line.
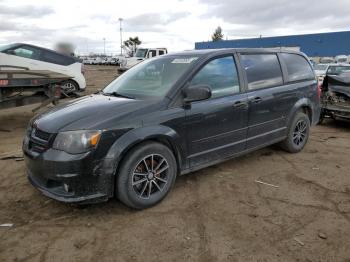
146, 175
298, 134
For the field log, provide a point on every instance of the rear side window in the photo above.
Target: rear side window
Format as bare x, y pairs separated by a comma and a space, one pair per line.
297, 67
262, 70
221, 75
55, 58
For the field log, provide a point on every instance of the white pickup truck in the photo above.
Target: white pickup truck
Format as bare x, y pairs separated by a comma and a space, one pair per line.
140, 55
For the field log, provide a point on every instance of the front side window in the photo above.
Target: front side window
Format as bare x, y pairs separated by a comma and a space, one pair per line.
27, 52
220, 75
297, 67
151, 78
262, 70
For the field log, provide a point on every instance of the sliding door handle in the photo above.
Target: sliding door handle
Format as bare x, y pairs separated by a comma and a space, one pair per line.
256, 100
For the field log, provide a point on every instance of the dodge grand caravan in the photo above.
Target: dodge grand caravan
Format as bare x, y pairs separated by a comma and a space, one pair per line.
167, 116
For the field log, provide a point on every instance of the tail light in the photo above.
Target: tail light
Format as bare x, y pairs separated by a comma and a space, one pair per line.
82, 68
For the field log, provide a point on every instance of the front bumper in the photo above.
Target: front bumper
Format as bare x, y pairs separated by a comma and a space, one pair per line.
70, 178
336, 111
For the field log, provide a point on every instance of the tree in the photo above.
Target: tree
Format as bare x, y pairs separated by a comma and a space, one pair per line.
131, 45
217, 36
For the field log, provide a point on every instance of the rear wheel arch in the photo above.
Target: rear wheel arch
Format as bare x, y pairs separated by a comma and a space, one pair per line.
306, 109
303, 105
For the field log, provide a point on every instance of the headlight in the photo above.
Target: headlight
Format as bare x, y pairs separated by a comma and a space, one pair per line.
76, 142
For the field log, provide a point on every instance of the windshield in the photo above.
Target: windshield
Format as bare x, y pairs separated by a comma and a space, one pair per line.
152, 78
5, 47
336, 70
141, 53
320, 67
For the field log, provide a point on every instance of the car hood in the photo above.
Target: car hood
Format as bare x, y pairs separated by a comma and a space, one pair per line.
94, 112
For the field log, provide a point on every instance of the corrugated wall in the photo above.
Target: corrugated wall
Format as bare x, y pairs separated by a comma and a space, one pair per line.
324, 44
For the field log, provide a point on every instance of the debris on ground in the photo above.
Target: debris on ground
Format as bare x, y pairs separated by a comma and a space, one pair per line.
264, 183
11, 155
299, 241
81, 243
6, 225
322, 235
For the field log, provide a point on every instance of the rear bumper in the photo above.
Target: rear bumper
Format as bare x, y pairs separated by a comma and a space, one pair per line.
70, 178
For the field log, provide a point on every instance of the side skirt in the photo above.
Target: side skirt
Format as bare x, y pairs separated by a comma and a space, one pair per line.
189, 170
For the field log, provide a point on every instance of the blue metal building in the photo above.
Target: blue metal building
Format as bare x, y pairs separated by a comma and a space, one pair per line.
314, 45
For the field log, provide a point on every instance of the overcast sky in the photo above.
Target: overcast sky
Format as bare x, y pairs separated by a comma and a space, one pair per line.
175, 24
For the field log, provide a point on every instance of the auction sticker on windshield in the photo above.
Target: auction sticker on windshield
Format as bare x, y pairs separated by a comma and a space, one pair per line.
184, 60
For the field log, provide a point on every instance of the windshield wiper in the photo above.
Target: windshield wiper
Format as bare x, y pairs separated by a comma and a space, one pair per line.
116, 94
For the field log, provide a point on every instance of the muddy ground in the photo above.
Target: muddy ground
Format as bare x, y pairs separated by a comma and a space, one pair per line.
216, 214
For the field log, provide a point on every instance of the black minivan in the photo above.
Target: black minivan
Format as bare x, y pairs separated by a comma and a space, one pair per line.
167, 116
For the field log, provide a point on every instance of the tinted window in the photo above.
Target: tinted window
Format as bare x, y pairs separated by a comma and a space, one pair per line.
221, 75
161, 52
52, 57
28, 52
152, 53
263, 70
297, 67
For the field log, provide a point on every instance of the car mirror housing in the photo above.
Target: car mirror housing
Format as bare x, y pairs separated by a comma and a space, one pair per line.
197, 93
10, 52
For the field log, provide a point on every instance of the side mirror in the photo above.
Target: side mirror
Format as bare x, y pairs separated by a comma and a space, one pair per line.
10, 52
196, 93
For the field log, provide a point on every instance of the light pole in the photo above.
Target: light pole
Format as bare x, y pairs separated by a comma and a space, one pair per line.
121, 38
104, 46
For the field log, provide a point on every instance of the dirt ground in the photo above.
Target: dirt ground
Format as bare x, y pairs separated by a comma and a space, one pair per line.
217, 214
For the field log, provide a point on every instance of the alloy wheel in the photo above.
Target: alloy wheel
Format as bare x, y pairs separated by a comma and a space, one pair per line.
150, 176
300, 133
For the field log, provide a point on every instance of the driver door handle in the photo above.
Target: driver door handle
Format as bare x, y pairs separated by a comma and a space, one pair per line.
240, 104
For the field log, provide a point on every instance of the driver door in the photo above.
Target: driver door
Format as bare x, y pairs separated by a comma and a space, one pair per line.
217, 127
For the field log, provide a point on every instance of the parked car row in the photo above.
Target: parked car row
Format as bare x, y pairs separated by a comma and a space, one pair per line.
115, 61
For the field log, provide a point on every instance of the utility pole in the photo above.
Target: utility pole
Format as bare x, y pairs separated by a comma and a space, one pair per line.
104, 46
121, 38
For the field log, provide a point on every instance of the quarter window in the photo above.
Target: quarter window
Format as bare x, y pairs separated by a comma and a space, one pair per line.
262, 70
297, 67
221, 75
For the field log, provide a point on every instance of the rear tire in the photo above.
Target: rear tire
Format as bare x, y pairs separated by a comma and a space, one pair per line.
298, 134
146, 175
69, 87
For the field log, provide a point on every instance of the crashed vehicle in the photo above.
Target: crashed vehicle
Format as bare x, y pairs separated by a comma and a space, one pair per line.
335, 98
